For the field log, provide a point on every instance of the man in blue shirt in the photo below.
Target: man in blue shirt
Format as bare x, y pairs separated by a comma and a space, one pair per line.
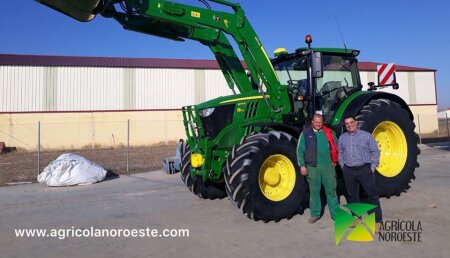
358, 157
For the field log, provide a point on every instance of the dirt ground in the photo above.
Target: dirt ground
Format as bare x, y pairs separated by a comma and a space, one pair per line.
159, 201
19, 166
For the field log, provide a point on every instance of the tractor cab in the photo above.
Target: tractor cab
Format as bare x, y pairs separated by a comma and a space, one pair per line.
334, 76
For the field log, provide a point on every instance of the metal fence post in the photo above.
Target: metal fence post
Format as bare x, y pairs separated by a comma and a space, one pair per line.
439, 127
39, 148
93, 133
128, 147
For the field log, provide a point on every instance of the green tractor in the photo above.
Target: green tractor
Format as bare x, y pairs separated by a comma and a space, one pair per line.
244, 146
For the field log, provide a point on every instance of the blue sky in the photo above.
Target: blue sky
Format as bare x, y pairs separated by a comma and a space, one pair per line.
412, 33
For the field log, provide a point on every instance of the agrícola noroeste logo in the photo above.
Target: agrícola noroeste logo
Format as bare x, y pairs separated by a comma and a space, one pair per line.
347, 214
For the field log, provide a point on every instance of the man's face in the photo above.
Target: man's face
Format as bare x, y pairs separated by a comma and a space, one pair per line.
317, 123
351, 125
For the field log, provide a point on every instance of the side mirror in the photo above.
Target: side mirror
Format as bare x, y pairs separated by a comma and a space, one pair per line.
316, 65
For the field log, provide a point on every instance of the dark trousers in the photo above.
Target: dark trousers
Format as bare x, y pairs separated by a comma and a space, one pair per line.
356, 176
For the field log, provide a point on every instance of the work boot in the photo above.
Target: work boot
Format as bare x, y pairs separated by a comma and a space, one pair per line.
312, 220
355, 223
377, 228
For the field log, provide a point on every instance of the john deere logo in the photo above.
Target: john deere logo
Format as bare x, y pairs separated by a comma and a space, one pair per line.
346, 216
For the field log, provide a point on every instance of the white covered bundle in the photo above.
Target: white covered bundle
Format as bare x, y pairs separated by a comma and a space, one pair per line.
71, 169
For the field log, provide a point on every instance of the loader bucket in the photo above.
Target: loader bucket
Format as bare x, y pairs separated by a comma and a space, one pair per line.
81, 10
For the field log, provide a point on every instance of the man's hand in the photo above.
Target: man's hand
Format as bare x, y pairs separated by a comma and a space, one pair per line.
304, 171
333, 164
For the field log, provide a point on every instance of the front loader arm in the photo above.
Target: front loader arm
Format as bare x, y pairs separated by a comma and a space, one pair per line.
229, 63
178, 21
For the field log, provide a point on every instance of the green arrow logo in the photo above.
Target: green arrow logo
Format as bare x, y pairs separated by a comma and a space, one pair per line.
347, 214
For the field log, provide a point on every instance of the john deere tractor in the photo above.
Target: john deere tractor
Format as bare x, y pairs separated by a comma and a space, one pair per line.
244, 146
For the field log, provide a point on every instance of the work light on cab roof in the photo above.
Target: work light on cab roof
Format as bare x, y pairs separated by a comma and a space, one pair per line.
280, 51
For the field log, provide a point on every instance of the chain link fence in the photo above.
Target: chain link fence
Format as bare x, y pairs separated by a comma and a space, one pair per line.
121, 147
431, 128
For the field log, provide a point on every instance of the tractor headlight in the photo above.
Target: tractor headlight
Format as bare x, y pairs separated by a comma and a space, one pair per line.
197, 160
206, 112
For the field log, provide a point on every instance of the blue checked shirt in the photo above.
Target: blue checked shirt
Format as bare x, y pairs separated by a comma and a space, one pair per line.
358, 149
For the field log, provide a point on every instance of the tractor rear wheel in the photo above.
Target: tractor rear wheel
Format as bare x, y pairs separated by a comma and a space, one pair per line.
393, 130
263, 179
205, 190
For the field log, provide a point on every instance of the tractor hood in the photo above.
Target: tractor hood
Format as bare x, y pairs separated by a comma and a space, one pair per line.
231, 99
82, 10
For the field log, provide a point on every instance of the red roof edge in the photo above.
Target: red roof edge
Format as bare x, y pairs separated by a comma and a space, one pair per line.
90, 61
371, 66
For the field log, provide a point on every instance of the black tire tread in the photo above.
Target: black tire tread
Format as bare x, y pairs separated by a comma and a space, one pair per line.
205, 190
379, 108
238, 169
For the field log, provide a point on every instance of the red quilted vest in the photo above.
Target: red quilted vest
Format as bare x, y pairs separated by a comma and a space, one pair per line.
333, 146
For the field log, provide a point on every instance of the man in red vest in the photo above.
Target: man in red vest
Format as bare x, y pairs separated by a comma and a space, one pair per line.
317, 157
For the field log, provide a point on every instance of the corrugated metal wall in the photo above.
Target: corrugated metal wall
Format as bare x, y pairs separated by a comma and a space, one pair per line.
89, 88
25, 88
164, 88
416, 88
216, 85
424, 87
21, 88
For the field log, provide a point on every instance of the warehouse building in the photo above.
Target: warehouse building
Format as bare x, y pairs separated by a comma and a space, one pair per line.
80, 102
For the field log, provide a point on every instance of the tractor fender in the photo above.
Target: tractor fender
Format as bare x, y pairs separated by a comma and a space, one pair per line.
358, 103
292, 130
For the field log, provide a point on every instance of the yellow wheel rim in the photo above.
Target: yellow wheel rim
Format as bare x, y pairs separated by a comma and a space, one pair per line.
277, 177
393, 148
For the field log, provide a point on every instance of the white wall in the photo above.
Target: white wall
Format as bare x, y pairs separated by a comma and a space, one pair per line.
82, 88
416, 88
21, 88
25, 88
216, 85
164, 88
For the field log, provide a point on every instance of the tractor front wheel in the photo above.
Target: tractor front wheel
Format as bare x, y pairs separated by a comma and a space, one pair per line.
263, 179
205, 190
